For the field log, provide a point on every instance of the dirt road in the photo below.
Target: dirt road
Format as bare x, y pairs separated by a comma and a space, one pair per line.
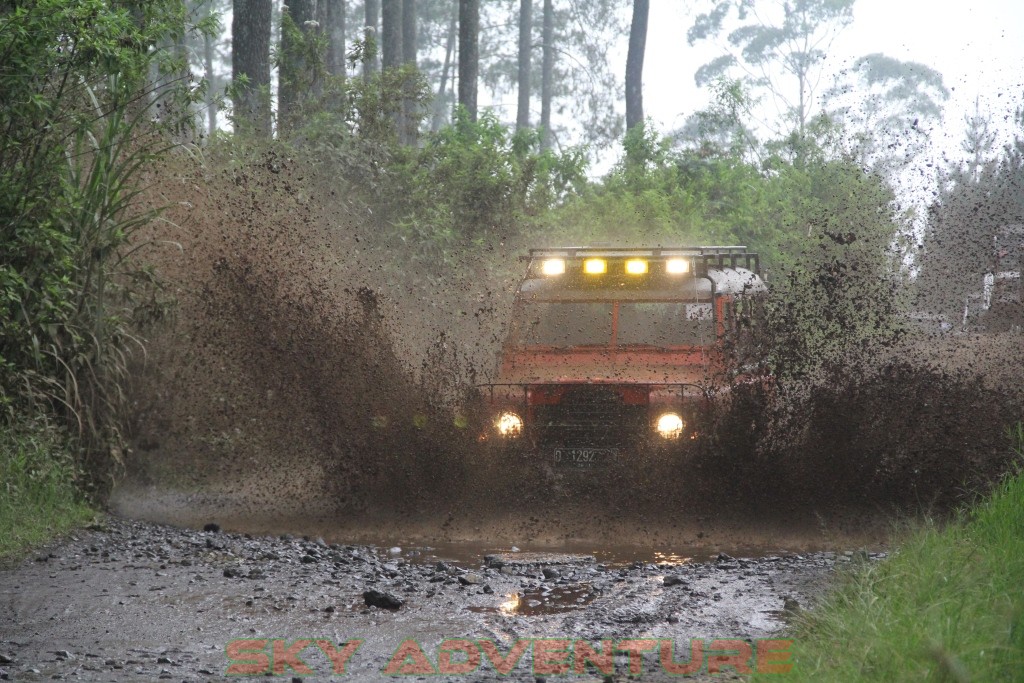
136, 601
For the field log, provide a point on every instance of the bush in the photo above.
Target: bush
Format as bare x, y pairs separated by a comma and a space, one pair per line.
38, 492
76, 135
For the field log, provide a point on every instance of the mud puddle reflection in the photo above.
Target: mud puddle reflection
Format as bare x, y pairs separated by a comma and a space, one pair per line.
542, 600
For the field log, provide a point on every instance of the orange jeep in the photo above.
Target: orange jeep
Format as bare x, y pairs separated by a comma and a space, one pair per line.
614, 349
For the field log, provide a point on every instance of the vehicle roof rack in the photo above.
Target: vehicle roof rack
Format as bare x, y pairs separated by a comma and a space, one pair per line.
731, 256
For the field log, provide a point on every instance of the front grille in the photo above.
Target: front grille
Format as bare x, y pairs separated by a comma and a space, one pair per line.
589, 416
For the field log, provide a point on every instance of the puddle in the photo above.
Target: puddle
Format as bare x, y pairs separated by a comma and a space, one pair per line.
469, 553
539, 601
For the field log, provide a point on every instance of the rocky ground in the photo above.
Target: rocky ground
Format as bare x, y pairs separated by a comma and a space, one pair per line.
135, 601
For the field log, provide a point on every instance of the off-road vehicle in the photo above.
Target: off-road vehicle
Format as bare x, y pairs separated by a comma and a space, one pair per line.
612, 349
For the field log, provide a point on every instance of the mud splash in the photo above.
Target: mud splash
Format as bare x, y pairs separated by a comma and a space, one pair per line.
305, 388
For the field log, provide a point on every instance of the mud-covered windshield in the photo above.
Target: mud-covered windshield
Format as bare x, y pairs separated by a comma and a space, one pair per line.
567, 324
665, 324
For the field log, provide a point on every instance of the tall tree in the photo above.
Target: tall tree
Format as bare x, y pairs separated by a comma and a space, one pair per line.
635, 64
469, 54
250, 64
409, 38
408, 130
977, 199
547, 73
391, 33
292, 64
331, 15
209, 59
777, 48
525, 52
371, 12
887, 107
441, 101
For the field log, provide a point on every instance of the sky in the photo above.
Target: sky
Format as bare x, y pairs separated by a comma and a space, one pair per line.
978, 46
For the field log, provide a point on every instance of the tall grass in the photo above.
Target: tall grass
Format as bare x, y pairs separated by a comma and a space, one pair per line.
38, 493
947, 606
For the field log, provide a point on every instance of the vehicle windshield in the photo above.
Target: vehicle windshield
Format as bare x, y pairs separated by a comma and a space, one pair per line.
569, 324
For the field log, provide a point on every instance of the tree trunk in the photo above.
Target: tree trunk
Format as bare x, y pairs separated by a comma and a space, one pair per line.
372, 33
409, 40
209, 100
409, 48
331, 15
469, 54
293, 73
635, 64
250, 57
391, 33
547, 74
440, 102
525, 50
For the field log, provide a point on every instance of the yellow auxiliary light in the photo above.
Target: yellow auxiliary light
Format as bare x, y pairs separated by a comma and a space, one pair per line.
675, 266
553, 266
669, 426
636, 266
595, 266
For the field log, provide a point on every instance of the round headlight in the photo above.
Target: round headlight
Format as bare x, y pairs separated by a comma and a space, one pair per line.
510, 424
670, 426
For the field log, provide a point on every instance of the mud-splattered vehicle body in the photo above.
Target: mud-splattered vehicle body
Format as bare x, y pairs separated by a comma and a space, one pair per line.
611, 350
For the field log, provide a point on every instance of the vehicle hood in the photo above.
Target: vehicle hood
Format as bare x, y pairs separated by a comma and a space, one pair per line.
677, 366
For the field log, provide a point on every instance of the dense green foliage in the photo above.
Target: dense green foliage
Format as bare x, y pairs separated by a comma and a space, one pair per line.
39, 494
74, 79
947, 606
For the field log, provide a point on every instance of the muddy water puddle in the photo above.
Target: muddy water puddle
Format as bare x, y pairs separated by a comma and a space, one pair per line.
608, 554
539, 601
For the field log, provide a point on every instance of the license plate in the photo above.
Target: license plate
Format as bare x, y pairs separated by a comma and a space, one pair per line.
583, 457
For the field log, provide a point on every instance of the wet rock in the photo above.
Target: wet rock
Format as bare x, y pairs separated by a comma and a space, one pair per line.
551, 573
723, 557
212, 527
63, 654
6, 658
791, 605
673, 580
376, 598
470, 579
494, 561
232, 572
487, 589
308, 559
441, 567
164, 660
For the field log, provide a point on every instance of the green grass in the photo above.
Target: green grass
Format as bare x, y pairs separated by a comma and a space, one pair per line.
38, 495
947, 606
